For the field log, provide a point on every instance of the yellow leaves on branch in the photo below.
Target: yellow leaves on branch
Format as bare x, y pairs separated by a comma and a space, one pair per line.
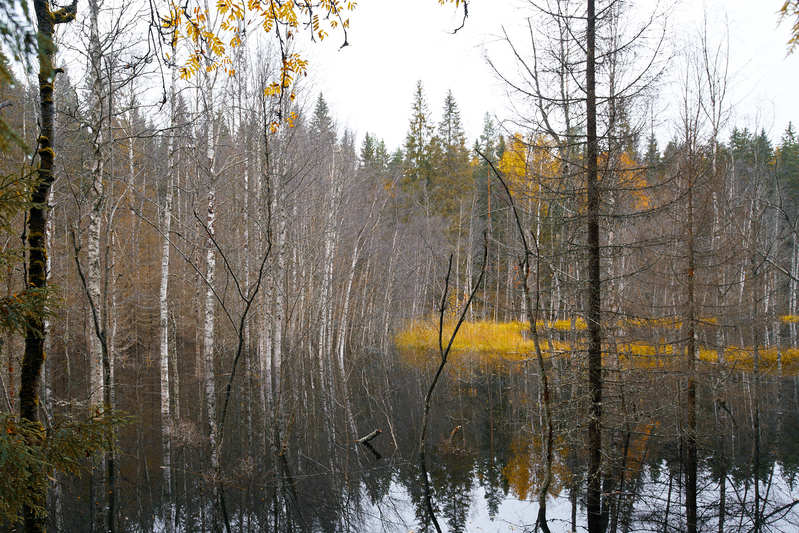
293, 65
791, 9
206, 33
281, 18
206, 45
290, 120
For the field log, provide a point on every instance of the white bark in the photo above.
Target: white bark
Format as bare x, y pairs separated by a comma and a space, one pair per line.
326, 370
388, 294
163, 316
210, 276
278, 306
279, 301
264, 318
345, 310
208, 329
327, 277
469, 249
93, 274
47, 396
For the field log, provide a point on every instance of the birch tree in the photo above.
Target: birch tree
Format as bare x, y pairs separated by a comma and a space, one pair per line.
209, 377
163, 316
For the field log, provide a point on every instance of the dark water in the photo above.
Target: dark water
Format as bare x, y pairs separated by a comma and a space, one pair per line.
302, 471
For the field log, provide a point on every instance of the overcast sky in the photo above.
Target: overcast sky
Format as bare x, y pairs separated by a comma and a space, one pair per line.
369, 85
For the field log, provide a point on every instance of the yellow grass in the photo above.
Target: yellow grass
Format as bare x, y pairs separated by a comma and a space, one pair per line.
502, 338
496, 342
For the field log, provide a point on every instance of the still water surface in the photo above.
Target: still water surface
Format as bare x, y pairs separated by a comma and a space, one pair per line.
484, 453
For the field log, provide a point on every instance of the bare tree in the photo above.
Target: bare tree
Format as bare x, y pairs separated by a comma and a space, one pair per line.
442, 363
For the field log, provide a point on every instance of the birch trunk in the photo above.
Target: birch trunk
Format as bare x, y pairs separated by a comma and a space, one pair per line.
279, 297
689, 438
469, 251
389, 282
47, 392
325, 300
208, 332
210, 303
345, 309
264, 325
93, 274
342, 341
163, 316
93, 269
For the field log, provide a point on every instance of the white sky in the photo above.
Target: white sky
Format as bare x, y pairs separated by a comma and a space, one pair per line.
369, 85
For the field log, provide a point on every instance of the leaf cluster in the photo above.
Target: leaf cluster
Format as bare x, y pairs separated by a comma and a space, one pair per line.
16, 309
206, 33
29, 455
16, 33
284, 19
791, 9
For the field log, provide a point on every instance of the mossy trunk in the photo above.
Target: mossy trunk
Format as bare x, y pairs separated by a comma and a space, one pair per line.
33, 358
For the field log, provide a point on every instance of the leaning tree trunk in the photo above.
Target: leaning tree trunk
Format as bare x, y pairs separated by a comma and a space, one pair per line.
97, 196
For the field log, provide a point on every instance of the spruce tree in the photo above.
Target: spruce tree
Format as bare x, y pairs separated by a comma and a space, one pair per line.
322, 127
417, 165
787, 162
450, 158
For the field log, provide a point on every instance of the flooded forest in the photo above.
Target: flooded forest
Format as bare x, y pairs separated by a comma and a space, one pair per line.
223, 311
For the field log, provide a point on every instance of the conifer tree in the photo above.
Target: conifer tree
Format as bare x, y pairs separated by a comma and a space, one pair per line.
452, 172
368, 148
417, 165
322, 127
382, 157
787, 163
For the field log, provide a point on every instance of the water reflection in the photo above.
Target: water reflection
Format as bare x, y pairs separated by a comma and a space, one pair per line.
303, 471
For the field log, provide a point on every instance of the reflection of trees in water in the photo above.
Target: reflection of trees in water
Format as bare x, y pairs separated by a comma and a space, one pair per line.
494, 453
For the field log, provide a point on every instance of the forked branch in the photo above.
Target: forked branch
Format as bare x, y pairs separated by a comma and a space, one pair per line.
443, 354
